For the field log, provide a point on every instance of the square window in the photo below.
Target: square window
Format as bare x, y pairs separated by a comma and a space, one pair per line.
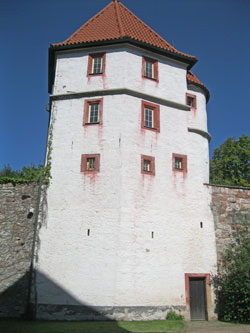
90, 163
96, 64
150, 116
93, 111
150, 68
147, 165
180, 162
191, 101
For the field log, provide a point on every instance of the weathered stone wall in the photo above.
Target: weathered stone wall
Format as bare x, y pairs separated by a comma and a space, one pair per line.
17, 219
230, 207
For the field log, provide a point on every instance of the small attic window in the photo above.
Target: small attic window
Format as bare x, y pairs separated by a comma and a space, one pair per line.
90, 163
180, 162
191, 101
96, 64
148, 165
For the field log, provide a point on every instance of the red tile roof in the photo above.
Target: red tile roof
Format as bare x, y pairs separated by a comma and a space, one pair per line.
116, 22
192, 79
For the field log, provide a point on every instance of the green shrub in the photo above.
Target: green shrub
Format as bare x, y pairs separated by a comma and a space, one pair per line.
26, 175
232, 284
230, 164
174, 316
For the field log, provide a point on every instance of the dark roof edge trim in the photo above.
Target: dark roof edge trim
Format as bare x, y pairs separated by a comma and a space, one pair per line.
200, 132
206, 91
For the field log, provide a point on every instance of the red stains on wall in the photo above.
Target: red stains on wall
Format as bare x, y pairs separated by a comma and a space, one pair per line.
191, 100
104, 81
179, 171
179, 164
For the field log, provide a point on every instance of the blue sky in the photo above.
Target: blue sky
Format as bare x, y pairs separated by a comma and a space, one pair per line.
217, 32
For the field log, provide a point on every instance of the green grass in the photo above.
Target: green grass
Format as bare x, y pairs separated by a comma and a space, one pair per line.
19, 326
157, 326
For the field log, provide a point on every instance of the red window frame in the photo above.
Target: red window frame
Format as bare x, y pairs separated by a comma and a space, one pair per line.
194, 100
155, 67
156, 112
90, 63
84, 158
184, 162
207, 278
87, 104
152, 165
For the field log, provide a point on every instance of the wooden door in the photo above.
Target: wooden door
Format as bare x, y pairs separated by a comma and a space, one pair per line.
197, 289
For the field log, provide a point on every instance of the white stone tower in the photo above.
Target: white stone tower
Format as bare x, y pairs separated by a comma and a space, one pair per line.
128, 232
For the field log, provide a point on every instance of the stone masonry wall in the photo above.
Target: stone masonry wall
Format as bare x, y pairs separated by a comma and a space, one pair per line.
230, 207
17, 219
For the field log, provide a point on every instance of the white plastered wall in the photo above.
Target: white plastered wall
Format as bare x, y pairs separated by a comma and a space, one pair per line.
123, 70
119, 263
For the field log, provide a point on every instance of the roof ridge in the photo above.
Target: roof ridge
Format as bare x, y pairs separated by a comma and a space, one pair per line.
117, 10
116, 22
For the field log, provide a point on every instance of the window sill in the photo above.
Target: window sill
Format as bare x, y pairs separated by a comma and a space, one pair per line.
90, 172
151, 129
150, 78
150, 173
95, 74
180, 170
89, 124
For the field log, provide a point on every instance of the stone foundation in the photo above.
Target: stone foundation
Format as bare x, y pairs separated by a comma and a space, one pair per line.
83, 312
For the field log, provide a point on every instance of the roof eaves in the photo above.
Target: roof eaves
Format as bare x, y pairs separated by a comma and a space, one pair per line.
191, 60
207, 93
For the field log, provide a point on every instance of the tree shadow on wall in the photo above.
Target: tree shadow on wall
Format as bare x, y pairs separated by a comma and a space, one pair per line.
55, 303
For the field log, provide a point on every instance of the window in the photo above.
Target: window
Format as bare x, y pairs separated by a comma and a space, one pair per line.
191, 101
147, 165
180, 162
150, 116
90, 163
96, 64
93, 111
150, 68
